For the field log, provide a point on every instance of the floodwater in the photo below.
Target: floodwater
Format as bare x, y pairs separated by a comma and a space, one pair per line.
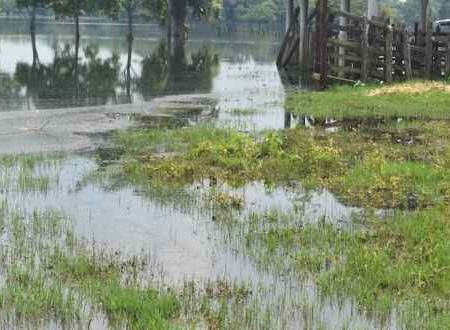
237, 70
184, 240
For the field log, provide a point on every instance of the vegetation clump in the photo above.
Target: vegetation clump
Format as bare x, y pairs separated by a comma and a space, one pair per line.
363, 167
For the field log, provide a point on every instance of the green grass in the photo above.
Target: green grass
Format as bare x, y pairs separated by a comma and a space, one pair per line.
50, 276
399, 264
364, 167
131, 305
354, 103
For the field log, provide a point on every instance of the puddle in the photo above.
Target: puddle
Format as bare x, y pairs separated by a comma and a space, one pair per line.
184, 240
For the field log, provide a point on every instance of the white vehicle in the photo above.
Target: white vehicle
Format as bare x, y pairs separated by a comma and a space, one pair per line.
442, 25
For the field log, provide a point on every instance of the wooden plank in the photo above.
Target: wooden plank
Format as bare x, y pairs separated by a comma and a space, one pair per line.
323, 36
347, 15
376, 51
344, 69
406, 50
346, 57
429, 52
345, 44
365, 50
418, 49
377, 74
344, 28
290, 51
350, 81
447, 59
289, 35
376, 23
389, 35
345, 6
304, 56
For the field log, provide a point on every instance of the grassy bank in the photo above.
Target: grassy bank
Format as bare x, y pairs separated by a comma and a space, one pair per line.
423, 100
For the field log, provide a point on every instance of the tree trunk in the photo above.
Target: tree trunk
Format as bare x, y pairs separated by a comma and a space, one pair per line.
178, 12
289, 13
425, 14
169, 21
33, 34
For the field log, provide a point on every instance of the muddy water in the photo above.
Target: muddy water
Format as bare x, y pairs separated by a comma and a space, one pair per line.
184, 241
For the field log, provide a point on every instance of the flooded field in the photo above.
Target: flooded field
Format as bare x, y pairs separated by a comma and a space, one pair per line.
188, 192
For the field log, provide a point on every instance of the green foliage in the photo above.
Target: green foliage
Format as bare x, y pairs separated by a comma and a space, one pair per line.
255, 10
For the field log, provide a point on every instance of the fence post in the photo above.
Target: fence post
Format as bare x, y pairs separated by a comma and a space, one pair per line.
289, 13
406, 50
429, 52
345, 6
365, 49
388, 52
323, 42
304, 38
447, 60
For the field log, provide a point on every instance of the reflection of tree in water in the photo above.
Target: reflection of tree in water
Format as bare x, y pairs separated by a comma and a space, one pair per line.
68, 82
174, 74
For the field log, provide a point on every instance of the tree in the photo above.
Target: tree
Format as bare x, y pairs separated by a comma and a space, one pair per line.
75, 9
6, 6
33, 5
174, 13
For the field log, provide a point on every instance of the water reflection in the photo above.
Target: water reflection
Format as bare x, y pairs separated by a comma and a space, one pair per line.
92, 80
168, 71
67, 82
238, 72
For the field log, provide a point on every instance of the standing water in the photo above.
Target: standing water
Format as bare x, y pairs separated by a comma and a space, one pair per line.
178, 229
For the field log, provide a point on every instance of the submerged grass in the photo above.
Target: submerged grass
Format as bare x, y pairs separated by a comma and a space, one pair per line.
425, 100
400, 264
51, 276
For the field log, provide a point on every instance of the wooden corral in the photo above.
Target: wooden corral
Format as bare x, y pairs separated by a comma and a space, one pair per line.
338, 45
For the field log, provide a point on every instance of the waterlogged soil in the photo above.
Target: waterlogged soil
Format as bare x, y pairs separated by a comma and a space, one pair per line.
185, 240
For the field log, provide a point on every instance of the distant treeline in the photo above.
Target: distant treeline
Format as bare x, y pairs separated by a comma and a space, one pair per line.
227, 12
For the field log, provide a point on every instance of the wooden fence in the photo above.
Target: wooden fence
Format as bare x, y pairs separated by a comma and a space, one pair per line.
347, 47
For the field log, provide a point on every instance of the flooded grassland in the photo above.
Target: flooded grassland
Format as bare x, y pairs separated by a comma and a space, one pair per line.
329, 212
391, 263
